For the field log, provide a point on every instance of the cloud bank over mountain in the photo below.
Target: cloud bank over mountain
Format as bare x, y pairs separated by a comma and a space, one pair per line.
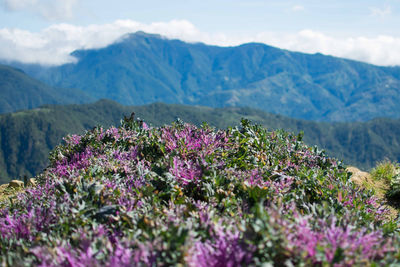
53, 45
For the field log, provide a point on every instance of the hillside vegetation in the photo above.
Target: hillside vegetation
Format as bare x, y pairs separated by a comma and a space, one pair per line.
26, 137
182, 195
19, 91
143, 68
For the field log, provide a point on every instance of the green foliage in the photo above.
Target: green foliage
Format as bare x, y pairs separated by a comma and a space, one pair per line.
385, 171
181, 195
389, 173
27, 137
394, 191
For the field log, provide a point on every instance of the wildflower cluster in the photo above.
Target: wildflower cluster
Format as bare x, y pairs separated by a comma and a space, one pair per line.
179, 194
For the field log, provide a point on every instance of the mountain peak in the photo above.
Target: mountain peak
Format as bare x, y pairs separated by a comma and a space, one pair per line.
140, 34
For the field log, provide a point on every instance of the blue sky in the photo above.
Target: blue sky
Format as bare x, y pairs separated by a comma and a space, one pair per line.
46, 31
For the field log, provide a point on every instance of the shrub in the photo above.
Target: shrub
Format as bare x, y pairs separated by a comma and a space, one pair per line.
140, 196
385, 171
389, 173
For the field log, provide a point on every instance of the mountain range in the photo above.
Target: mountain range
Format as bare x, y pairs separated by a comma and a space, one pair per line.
26, 137
20, 91
144, 68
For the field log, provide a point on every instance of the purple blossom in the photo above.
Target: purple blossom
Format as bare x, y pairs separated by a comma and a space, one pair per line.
186, 171
72, 140
193, 142
25, 225
226, 249
357, 245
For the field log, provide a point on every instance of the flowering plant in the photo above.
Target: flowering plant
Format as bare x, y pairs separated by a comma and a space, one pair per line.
196, 196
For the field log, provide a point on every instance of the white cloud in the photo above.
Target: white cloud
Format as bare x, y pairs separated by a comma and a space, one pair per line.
53, 45
381, 12
48, 9
379, 50
298, 8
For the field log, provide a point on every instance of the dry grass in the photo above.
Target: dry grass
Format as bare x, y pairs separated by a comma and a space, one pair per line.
379, 186
7, 193
366, 181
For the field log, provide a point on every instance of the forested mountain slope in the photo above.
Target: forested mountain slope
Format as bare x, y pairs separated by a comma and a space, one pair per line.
20, 91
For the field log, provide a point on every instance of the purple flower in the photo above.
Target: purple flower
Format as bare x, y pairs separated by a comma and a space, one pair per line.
226, 249
186, 171
357, 245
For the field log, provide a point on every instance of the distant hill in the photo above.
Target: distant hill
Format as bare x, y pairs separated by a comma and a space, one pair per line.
143, 68
26, 137
19, 91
